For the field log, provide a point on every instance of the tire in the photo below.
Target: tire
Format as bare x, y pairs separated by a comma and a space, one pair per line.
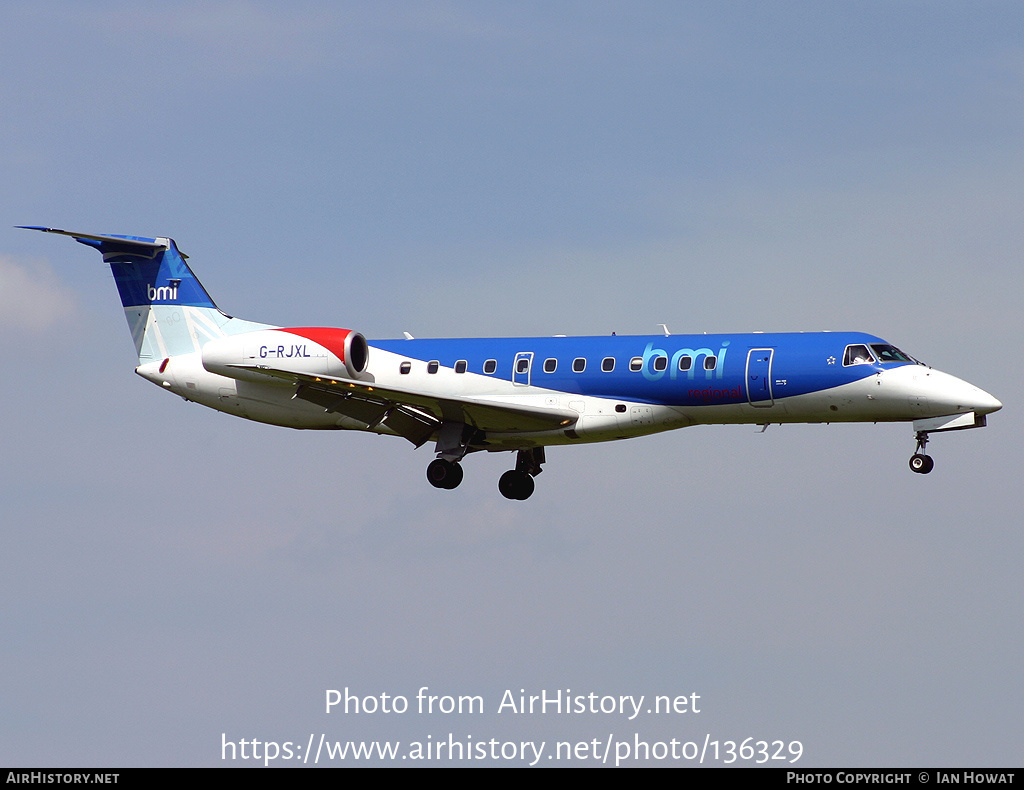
525, 485
516, 485
444, 474
922, 464
507, 484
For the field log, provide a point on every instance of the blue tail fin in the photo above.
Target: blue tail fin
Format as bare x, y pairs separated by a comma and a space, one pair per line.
168, 310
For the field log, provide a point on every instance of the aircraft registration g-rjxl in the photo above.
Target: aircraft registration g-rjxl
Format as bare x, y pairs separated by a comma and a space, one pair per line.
513, 394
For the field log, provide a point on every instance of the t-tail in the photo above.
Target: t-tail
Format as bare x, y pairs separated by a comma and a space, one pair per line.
169, 312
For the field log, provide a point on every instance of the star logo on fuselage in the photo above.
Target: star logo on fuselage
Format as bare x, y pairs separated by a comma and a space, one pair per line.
831, 360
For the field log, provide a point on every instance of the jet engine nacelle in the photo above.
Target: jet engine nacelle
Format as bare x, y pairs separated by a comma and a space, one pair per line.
316, 351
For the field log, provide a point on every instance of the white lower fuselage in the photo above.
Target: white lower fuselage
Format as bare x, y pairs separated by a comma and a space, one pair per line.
902, 393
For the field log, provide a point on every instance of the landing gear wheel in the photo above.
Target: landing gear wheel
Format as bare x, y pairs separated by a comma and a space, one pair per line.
444, 474
922, 464
515, 485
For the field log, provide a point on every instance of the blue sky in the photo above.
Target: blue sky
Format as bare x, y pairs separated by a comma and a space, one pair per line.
171, 574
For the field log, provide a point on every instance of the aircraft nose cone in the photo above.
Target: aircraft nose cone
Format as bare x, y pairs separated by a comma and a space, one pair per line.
962, 396
985, 403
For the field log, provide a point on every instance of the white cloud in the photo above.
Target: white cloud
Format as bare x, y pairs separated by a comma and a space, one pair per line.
31, 296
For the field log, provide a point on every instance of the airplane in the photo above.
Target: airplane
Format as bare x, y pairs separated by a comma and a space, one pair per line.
513, 394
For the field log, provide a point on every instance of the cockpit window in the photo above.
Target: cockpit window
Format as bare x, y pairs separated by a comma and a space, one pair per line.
857, 355
887, 353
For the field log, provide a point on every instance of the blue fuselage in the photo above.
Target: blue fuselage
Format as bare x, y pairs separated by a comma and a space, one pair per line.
675, 370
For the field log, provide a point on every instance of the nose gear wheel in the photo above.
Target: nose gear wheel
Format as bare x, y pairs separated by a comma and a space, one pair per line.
919, 461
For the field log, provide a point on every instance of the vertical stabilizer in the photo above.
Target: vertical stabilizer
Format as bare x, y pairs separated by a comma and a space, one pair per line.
168, 310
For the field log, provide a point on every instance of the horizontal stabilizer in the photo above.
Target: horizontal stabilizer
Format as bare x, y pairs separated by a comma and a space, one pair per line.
148, 246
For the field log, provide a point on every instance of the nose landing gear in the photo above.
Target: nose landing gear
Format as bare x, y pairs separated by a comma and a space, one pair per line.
919, 461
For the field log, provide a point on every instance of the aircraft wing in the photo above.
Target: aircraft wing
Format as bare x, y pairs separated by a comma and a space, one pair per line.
413, 414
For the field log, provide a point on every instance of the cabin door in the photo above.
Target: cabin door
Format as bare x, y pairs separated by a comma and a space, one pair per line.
759, 376
521, 368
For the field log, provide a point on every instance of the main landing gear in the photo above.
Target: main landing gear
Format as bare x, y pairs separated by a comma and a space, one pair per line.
452, 445
444, 474
518, 483
514, 484
919, 462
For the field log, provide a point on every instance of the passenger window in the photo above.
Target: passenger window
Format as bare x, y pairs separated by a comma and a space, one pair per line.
490, 366
661, 363
636, 364
432, 366
405, 367
857, 355
460, 366
710, 362
550, 365
522, 365
579, 365
608, 364
685, 363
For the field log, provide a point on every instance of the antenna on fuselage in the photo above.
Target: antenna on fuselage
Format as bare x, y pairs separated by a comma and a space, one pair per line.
664, 328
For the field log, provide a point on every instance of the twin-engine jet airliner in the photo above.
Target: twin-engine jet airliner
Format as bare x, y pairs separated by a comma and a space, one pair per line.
513, 394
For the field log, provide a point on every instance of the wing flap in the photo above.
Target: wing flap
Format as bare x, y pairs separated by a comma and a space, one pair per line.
481, 413
411, 424
369, 411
